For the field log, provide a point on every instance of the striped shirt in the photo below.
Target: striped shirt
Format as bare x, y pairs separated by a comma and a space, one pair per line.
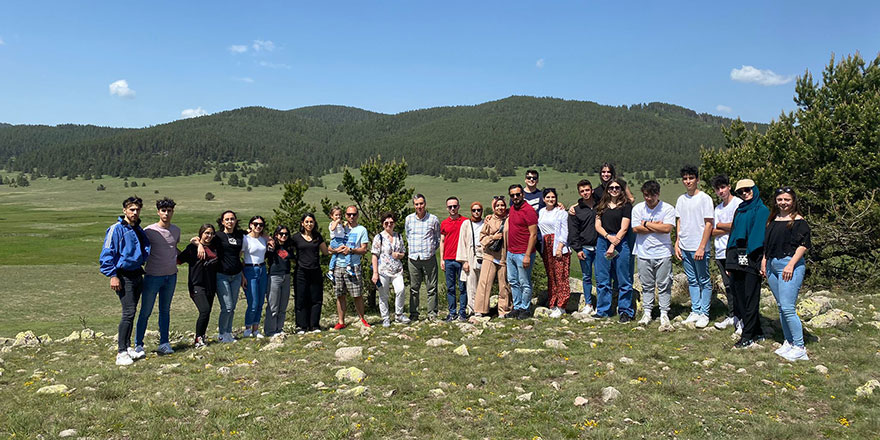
422, 236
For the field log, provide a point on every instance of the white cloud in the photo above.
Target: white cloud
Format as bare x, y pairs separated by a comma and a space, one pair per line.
245, 79
120, 88
238, 48
274, 65
751, 74
723, 108
1, 41
193, 113
260, 45
540, 63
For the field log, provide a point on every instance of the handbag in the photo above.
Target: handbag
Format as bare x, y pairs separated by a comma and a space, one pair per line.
496, 245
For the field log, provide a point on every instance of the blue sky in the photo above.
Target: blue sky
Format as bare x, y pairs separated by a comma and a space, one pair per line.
135, 64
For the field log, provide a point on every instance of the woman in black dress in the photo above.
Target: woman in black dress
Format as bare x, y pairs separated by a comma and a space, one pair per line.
308, 281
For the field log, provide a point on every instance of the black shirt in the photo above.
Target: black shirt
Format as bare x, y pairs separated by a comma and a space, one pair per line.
612, 218
582, 226
229, 251
279, 259
780, 241
202, 273
308, 253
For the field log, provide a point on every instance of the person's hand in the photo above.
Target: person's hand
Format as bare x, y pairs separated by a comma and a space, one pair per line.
571, 210
764, 267
788, 272
201, 252
527, 261
375, 277
466, 267
561, 205
610, 252
344, 250
442, 265
397, 255
581, 256
243, 282
115, 284
699, 254
614, 240
677, 252
497, 236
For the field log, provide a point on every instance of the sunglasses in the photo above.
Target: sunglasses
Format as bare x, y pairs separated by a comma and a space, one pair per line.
258, 225
389, 222
452, 207
785, 189
531, 178
613, 188
742, 191
351, 214
512, 195
476, 210
283, 234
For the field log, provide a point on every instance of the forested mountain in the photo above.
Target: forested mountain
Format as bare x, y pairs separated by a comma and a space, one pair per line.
310, 141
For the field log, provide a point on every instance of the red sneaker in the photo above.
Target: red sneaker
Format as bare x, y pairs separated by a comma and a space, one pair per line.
339, 326
364, 322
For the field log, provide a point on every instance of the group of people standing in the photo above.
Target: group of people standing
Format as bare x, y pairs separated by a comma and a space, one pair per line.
603, 229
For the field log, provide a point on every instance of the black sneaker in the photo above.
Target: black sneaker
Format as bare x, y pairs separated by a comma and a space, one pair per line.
450, 317
462, 318
523, 314
512, 315
743, 343
624, 318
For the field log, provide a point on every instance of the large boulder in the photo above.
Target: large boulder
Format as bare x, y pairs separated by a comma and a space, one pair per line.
832, 318
813, 306
351, 374
26, 339
680, 293
346, 354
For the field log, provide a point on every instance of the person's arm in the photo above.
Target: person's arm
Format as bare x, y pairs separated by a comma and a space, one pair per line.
110, 255
707, 234
561, 234
721, 229
464, 251
677, 237
639, 226
599, 229
362, 246
324, 249
442, 244
533, 237
375, 264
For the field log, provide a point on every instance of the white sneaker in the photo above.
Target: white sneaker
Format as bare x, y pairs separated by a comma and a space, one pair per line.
702, 321
257, 334
693, 317
317, 330
796, 354
646, 318
664, 319
301, 332
123, 358
403, 319
386, 322
247, 333
784, 349
739, 326
556, 313
137, 352
588, 309
164, 349
723, 324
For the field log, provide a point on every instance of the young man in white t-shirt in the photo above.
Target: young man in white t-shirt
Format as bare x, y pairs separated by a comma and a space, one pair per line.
696, 215
724, 213
652, 222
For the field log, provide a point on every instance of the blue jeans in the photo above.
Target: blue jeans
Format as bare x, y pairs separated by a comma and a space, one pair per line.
255, 292
699, 283
453, 274
587, 271
605, 270
786, 293
227, 293
163, 286
338, 259
520, 280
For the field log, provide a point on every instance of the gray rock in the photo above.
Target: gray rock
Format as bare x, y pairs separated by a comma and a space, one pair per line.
542, 312
346, 354
526, 397
626, 360
67, 433
832, 318
813, 306
437, 392
461, 350
868, 388
26, 339
351, 374
580, 401
555, 343
53, 389
609, 394
437, 342
314, 344
821, 369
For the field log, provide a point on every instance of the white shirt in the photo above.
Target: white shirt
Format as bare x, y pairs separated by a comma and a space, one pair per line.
653, 245
693, 212
554, 222
254, 249
724, 214
339, 232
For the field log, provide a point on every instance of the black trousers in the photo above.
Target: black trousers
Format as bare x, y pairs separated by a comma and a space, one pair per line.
309, 298
746, 288
204, 301
728, 292
131, 286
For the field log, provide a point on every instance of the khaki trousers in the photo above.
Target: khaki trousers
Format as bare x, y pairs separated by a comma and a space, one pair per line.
488, 274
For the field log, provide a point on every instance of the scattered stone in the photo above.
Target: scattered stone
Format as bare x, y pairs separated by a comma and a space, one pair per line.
767, 382
26, 339
351, 374
527, 397
278, 337
541, 312
813, 306
874, 324
224, 370
760, 364
741, 371
832, 318
570, 373
868, 388
626, 360
74, 336
436, 392
609, 394
555, 385
437, 342
389, 393
272, 346
45, 339
53, 389
708, 362
67, 433
461, 350
555, 343
527, 350
356, 391
821, 369
346, 354
314, 344
580, 401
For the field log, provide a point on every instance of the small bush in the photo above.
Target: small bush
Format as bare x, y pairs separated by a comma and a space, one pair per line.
209, 196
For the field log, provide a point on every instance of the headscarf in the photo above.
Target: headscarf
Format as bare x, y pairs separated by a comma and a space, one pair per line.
749, 223
474, 219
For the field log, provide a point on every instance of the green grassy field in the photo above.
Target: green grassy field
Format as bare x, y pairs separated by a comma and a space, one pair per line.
685, 384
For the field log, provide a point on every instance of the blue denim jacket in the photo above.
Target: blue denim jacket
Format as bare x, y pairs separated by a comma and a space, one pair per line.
126, 247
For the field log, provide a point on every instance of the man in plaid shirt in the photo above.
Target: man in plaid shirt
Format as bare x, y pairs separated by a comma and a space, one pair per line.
423, 238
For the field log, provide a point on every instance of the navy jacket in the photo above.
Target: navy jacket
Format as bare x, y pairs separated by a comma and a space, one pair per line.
126, 247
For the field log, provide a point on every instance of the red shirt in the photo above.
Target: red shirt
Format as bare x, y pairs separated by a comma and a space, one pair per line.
518, 222
449, 229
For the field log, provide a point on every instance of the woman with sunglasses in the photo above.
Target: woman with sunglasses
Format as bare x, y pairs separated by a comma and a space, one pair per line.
228, 243
608, 174
255, 274
745, 248
202, 279
387, 250
494, 262
553, 225
470, 252
308, 281
786, 242
613, 216
279, 256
